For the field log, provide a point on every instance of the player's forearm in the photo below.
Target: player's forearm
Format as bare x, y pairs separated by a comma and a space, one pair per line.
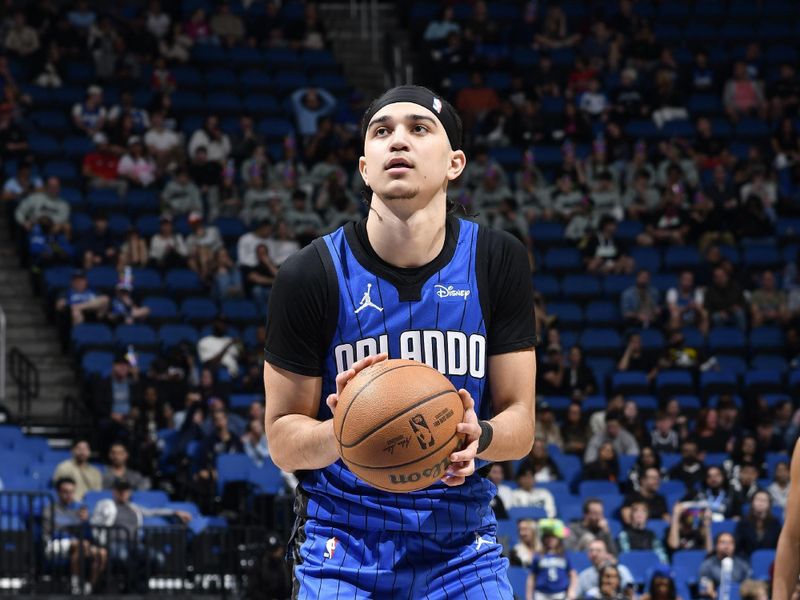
512, 436
787, 566
297, 442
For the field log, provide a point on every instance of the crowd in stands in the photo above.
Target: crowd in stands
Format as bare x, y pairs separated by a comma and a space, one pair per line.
163, 161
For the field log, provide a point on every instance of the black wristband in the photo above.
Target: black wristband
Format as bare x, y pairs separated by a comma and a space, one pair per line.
486, 435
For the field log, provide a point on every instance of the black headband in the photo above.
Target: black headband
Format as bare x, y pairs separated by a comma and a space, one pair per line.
417, 94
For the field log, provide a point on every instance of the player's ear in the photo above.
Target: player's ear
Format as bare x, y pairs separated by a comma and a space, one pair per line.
458, 160
362, 168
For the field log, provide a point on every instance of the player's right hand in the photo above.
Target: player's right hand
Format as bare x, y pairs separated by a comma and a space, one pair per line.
345, 376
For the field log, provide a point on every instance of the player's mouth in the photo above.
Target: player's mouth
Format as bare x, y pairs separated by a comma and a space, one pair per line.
398, 166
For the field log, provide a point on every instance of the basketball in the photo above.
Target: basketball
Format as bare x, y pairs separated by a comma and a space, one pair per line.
396, 425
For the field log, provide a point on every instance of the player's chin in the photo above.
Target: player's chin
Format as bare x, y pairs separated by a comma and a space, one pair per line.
399, 189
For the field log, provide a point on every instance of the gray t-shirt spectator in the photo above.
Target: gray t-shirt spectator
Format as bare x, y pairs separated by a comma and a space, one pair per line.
624, 443
38, 205
182, 198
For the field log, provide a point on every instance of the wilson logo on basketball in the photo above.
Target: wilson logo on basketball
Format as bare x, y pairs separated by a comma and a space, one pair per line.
423, 432
434, 472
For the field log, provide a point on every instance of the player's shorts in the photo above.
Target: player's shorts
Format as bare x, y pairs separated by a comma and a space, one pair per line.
330, 562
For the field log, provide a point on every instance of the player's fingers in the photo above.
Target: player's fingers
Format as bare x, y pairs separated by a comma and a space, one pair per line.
342, 379
466, 471
453, 481
466, 398
369, 360
471, 430
332, 401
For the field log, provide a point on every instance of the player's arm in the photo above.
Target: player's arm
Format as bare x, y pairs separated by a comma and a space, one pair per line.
787, 558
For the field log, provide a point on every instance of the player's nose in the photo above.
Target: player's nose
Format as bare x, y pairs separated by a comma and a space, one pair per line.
399, 139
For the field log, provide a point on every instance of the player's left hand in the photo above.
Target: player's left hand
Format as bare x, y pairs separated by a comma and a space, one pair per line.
462, 462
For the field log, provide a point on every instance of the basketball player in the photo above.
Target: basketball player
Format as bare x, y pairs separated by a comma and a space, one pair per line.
787, 557
409, 281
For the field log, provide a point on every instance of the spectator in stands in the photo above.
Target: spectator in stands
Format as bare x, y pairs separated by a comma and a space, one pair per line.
89, 116
167, 248
47, 248
133, 251
475, 100
605, 467
207, 175
226, 26
593, 526
690, 527
306, 223
13, 139
527, 495
176, 45
685, 304
636, 536
119, 512
246, 248
711, 569
220, 441
260, 278
114, 400
784, 96
547, 429
219, 350
309, 104
750, 589
21, 40
65, 535
743, 96
202, 244
554, 33
136, 166
664, 438
227, 277
197, 27
603, 254
254, 442
551, 574
574, 432
552, 371
124, 309
614, 433
768, 305
528, 545
640, 303
45, 203
545, 469
707, 433
632, 423
502, 498
745, 452
591, 578
118, 469
163, 144
86, 477
635, 358
101, 166
759, 529
80, 301
281, 243
647, 459
690, 468
724, 301
21, 185
745, 486
213, 139
656, 503
157, 21
716, 493
440, 28
578, 377
779, 488
97, 245
181, 196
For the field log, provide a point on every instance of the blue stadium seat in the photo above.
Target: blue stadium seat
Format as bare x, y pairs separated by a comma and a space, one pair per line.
91, 335
569, 314
43, 145
232, 467
686, 563
183, 282
223, 102
761, 562
240, 310
266, 479
763, 382
659, 527
628, 230
674, 382
732, 364
570, 509
147, 225
147, 281
102, 278
715, 459
92, 497
161, 308
562, 260
136, 335
726, 340
57, 278
601, 342
773, 459
150, 498
761, 256
64, 170
769, 362
629, 382
645, 403
33, 446
678, 258
688, 402
718, 382
10, 435
664, 281
243, 401
507, 533
118, 224
547, 285
647, 258
275, 128
726, 526
518, 578
766, 339
199, 310
581, 287
569, 466
597, 488
639, 562
172, 335
97, 363
526, 512
652, 340
603, 314
614, 285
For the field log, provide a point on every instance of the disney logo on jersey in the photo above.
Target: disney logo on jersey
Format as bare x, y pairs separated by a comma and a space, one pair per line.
452, 292
452, 353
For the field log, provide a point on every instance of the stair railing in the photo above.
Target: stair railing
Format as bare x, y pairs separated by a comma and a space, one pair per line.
25, 374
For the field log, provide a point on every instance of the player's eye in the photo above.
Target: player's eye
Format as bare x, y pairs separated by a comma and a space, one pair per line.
419, 129
380, 131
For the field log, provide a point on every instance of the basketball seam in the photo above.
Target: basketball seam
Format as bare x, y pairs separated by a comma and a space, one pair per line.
347, 410
393, 417
405, 464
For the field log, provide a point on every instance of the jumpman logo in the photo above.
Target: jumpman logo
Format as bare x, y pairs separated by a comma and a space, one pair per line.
366, 301
479, 541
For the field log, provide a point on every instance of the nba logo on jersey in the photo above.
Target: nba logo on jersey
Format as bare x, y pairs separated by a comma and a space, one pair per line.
330, 547
437, 105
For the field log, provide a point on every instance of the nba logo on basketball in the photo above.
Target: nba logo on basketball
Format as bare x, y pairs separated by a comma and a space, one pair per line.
437, 105
330, 547
423, 432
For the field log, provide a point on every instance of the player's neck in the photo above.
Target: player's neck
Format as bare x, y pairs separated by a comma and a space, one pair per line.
407, 238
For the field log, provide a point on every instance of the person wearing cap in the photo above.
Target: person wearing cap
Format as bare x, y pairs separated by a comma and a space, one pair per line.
45, 203
119, 512
332, 306
181, 195
80, 300
97, 246
124, 308
135, 166
100, 166
89, 116
202, 244
551, 576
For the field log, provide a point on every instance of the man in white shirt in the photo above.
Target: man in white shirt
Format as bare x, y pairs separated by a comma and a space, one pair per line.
685, 304
163, 144
248, 244
588, 579
220, 349
527, 495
